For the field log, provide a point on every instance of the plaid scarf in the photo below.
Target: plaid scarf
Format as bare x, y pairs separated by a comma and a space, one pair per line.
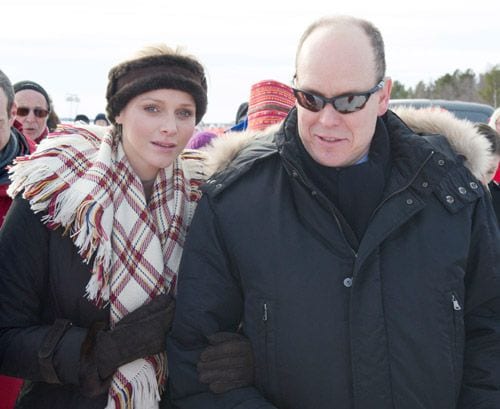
84, 184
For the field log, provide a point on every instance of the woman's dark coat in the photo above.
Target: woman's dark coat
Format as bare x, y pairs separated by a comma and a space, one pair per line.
43, 269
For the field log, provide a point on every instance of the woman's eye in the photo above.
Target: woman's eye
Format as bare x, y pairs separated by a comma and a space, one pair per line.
151, 108
186, 113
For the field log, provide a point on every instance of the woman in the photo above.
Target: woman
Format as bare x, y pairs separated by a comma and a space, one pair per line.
89, 252
495, 120
33, 110
492, 178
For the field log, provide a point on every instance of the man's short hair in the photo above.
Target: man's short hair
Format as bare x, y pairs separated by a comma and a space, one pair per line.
371, 31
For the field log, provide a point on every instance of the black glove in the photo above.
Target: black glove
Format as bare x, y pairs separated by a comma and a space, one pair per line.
227, 363
139, 334
91, 384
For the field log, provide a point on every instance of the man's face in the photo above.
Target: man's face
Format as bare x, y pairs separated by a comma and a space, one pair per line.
33, 126
6, 120
333, 62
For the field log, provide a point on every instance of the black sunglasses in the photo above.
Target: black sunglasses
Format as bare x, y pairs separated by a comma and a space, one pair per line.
25, 111
344, 104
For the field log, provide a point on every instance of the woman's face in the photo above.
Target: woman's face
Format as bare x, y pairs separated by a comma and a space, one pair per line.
33, 101
493, 169
156, 126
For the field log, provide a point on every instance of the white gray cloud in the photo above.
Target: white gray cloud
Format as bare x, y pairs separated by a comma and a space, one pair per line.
68, 47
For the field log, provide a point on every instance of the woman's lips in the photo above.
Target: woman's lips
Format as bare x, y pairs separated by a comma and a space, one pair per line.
165, 145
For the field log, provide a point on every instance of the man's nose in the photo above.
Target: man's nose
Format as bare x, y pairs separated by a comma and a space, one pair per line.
329, 116
31, 115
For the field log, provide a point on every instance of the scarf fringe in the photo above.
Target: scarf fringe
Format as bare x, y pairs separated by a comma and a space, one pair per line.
73, 184
143, 390
75, 211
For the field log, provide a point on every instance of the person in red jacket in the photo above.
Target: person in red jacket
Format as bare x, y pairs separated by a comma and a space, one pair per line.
12, 144
492, 179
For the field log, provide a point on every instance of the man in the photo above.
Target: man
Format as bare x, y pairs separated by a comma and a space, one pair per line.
359, 258
33, 110
101, 120
12, 144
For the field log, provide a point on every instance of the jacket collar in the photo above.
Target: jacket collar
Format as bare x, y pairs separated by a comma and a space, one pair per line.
461, 135
413, 142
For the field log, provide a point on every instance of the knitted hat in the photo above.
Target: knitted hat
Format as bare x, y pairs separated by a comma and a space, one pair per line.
200, 139
140, 75
22, 85
242, 112
101, 117
269, 103
82, 118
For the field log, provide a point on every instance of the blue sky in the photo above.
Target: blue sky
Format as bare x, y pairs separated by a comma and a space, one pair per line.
69, 47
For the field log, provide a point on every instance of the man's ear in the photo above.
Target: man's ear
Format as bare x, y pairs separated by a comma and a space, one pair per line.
383, 96
12, 114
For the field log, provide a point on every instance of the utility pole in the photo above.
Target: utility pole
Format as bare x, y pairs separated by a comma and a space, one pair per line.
495, 91
73, 100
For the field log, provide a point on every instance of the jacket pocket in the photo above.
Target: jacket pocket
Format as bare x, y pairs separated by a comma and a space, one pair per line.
265, 356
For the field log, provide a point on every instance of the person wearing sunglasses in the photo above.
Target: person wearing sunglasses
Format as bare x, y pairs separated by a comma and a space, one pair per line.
360, 257
33, 109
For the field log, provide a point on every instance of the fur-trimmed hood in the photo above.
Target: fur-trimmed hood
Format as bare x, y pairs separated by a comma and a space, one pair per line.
461, 134
224, 148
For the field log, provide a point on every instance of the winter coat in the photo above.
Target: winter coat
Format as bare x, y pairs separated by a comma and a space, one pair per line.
42, 279
9, 387
408, 320
43, 268
495, 198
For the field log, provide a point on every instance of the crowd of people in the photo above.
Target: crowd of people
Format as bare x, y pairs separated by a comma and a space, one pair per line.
324, 251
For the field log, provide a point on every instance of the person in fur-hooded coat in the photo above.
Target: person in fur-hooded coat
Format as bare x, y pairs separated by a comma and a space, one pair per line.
403, 315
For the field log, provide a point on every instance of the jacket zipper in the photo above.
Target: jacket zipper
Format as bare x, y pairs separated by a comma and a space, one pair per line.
402, 189
456, 308
265, 318
302, 180
456, 304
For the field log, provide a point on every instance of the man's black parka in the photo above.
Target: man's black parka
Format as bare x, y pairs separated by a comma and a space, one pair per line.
409, 319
